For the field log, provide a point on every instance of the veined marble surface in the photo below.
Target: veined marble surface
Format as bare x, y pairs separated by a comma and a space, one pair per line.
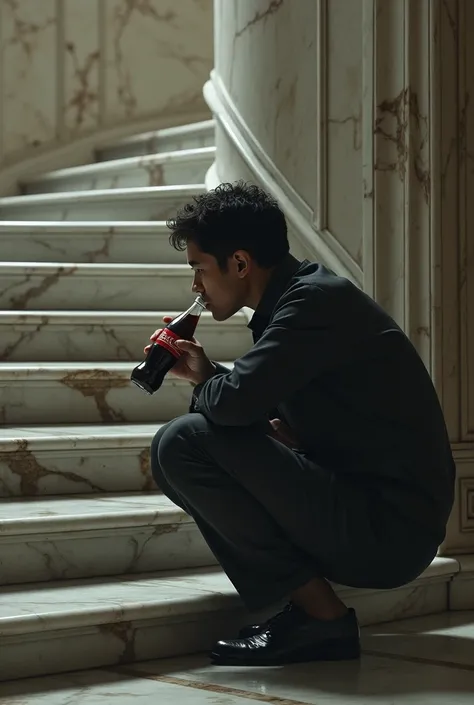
434, 664
107, 335
70, 604
191, 136
63, 460
278, 47
442, 675
85, 393
146, 203
70, 241
94, 286
462, 589
97, 58
88, 536
74, 624
167, 169
55, 515
136, 594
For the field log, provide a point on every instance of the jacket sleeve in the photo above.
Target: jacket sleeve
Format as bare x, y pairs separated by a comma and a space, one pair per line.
299, 344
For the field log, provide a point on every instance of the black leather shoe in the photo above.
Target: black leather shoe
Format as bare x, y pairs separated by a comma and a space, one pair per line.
252, 629
293, 637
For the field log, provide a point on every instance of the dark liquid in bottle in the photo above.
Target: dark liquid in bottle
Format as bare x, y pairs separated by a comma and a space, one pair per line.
150, 373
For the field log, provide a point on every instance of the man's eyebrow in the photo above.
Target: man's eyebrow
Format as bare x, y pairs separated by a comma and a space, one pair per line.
193, 263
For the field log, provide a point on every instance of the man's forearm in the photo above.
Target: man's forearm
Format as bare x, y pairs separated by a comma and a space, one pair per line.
264, 425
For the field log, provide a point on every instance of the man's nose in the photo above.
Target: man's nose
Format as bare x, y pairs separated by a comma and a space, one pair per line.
197, 287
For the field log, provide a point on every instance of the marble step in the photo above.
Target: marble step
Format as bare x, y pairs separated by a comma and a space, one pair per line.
71, 625
145, 203
108, 241
72, 286
182, 167
87, 392
76, 624
55, 336
66, 460
62, 538
192, 136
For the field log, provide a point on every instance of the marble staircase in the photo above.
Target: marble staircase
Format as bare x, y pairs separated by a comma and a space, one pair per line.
97, 567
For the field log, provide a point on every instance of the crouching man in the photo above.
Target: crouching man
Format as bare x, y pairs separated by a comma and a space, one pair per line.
321, 456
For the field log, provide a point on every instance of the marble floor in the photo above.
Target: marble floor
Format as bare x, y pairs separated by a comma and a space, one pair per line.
427, 660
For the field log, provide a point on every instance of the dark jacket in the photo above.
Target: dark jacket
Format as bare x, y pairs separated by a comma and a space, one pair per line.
346, 379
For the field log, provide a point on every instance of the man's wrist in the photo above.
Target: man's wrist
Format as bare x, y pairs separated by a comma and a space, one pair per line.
205, 374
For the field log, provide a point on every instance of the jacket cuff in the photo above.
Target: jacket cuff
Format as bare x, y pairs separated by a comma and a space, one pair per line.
193, 407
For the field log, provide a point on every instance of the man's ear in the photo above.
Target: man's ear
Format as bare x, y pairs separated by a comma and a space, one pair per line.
242, 260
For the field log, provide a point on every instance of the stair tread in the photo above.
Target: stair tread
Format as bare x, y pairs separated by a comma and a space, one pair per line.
53, 514
92, 601
79, 603
182, 191
41, 437
93, 317
94, 268
179, 130
74, 226
52, 367
112, 165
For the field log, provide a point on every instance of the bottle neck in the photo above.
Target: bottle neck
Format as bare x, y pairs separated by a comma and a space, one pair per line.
197, 307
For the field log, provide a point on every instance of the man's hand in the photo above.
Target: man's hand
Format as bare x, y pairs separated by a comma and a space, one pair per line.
283, 433
194, 365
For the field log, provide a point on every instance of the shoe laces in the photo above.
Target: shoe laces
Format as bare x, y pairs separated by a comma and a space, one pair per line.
286, 615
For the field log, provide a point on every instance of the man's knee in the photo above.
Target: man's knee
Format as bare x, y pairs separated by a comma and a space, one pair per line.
154, 464
172, 443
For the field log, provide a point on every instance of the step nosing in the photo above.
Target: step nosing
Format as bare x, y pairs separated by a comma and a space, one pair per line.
99, 225
74, 438
179, 156
34, 526
104, 195
190, 130
125, 316
111, 268
118, 611
82, 375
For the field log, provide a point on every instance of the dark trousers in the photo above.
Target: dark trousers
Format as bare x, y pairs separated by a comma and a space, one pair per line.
274, 519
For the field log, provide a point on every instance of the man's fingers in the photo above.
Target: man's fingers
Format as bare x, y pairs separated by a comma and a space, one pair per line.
166, 319
190, 347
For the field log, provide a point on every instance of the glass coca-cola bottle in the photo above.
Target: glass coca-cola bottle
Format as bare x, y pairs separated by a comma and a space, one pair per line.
164, 353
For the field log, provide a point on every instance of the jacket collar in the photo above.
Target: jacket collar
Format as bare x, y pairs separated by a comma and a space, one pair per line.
276, 286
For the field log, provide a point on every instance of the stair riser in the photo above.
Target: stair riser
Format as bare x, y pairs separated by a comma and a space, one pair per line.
204, 138
152, 207
45, 341
110, 247
87, 554
69, 288
118, 642
79, 398
149, 174
78, 470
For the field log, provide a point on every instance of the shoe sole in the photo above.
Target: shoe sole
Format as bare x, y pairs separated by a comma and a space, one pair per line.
321, 653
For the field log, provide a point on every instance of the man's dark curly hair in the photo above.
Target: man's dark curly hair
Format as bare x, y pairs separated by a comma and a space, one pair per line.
239, 216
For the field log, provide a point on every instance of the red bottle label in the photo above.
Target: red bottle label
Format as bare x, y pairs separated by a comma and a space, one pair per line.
167, 339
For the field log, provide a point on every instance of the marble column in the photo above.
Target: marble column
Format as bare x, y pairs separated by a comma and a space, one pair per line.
356, 115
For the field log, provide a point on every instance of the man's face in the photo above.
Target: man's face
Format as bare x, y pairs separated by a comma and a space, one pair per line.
224, 292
